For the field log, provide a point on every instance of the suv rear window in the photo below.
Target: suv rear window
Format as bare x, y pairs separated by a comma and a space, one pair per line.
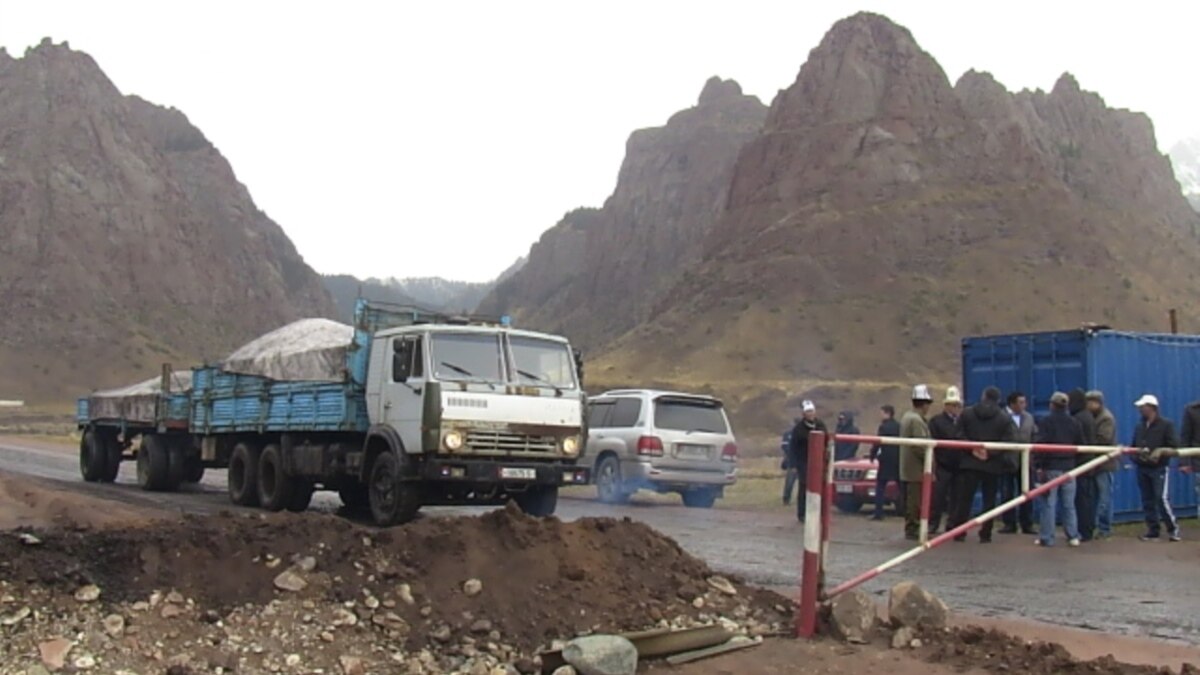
690, 415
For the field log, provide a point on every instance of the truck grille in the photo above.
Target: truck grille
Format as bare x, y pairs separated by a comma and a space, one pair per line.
848, 474
491, 441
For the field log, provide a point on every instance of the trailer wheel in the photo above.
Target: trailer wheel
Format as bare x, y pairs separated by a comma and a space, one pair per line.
91, 457
176, 461
274, 486
112, 457
393, 501
355, 497
243, 475
193, 470
153, 463
302, 494
539, 501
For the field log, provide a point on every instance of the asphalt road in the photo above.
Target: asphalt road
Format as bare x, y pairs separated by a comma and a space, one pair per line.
1122, 586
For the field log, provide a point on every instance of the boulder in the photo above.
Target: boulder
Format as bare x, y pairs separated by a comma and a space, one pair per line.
602, 655
472, 587
853, 616
54, 652
290, 581
912, 606
902, 638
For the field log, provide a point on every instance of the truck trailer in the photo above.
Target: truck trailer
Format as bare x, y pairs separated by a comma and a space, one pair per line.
405, 408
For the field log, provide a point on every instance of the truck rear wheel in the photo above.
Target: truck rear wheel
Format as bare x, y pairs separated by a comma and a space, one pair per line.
243, 475
392, 500
154, 464
539, 501
92, 460
275, 487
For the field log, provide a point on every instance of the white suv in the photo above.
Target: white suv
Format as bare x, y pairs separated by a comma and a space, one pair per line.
663, 441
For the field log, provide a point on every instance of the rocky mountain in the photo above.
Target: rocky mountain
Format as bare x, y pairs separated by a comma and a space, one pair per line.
599, 272
430, 292
126, 240
1185, 157
877, 215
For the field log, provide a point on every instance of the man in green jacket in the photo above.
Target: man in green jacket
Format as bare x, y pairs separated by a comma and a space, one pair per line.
1106, 434
912, 459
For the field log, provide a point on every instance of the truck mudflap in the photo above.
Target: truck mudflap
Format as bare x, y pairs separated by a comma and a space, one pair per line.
517, 475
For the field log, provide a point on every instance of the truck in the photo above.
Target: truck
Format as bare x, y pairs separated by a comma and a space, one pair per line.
405, 408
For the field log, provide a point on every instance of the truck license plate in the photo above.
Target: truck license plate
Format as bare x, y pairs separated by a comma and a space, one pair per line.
845, 487
518, 474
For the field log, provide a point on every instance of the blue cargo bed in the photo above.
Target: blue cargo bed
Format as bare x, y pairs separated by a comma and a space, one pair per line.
224, 402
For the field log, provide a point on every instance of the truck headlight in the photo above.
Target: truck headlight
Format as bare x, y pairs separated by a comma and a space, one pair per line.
453, 440
570, 446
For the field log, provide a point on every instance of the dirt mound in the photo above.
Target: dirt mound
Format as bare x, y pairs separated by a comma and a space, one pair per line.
996, 652
28, 503
322, 586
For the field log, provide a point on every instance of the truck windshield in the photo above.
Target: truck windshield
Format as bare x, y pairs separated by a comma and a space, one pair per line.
542, 362
467, 356
689, 415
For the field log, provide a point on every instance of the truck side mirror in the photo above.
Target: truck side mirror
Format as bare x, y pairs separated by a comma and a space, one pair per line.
401, 361
579, 365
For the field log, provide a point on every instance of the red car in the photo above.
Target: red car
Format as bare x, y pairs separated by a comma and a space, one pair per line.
854, 485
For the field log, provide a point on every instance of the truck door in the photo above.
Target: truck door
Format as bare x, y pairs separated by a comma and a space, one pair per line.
404, 388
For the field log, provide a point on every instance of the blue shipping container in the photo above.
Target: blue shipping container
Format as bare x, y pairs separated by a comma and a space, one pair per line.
1122, 365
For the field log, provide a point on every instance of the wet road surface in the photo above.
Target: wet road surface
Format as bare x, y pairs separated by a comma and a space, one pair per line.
1122, 585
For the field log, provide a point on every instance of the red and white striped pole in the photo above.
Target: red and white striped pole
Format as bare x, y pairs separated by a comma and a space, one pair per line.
810, 574
926, 493
977, 520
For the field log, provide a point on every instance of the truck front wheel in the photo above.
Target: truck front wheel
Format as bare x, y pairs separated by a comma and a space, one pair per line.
392, 500
539, 501
275, 487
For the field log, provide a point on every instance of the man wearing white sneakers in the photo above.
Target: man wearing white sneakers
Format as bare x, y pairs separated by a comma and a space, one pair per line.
1060, 429
1155, 435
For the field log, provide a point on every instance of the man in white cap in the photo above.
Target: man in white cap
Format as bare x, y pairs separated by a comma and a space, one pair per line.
798, 456
944, 427
912, 464
1154, 433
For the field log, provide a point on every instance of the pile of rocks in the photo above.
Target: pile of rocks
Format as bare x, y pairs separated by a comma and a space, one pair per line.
854, 617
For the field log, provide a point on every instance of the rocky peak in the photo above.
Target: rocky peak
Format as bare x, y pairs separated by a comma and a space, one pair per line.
868, 69
717, 90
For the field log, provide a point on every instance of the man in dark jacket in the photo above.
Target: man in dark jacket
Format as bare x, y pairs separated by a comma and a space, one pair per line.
1010, 483
843, 450
985, 421
887, 458
1106, 434
944, 426
1058, 428
789, 476
1190, 438
1085, 485
798, 453
1154, 432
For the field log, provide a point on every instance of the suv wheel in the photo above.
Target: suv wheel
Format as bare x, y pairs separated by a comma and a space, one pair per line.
848, 503
609, 487
700, 499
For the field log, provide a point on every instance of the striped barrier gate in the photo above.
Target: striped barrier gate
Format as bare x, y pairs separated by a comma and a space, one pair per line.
817, 530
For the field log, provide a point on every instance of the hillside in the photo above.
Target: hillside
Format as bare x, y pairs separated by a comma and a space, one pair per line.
879, 214
126, 240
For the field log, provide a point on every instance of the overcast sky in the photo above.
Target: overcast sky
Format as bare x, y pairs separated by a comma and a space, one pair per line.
442, 138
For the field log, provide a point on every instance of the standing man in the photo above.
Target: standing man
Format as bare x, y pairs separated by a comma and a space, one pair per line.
789, 475
845, 449
1059, 428
1106, 434
798, 453
887, 458
1010, 483
912, 464
983, 422
1153, 433
944, 427
1191, 439
1085, 491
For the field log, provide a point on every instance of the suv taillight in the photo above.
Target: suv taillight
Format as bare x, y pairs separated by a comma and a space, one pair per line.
650, 446
729, 453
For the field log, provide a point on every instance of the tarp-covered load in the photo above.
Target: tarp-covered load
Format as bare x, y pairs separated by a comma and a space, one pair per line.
137, 402
305, 350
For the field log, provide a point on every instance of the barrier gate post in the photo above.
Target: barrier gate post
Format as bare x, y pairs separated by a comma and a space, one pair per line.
810, 575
